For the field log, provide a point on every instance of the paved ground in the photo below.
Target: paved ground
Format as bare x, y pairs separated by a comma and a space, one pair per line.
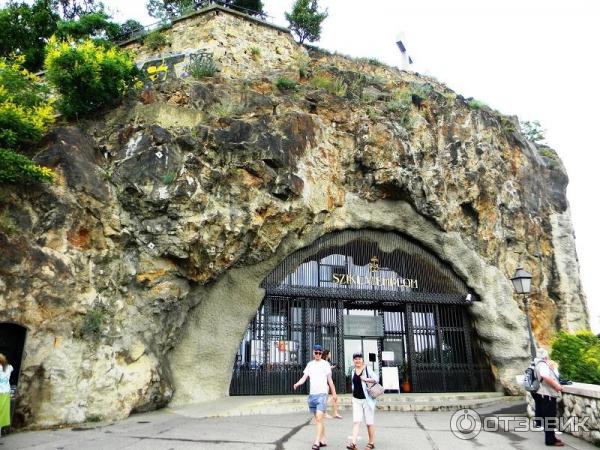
186, 429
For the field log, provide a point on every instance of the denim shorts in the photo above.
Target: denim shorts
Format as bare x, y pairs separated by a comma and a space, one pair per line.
317, 402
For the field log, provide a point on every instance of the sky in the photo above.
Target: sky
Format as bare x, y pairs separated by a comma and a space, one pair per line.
537, 59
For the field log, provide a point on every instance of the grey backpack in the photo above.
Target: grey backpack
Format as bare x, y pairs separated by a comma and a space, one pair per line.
530, 381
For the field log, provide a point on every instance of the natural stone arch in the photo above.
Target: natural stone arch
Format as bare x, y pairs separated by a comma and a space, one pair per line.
439, 280
202, 362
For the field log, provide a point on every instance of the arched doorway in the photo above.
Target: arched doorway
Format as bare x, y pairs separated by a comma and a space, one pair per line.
12, 345
378, 292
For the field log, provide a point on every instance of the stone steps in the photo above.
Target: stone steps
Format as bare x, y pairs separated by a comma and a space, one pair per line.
389, 398
283, 404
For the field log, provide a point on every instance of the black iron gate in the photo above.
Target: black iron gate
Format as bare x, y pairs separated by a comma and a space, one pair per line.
435, 347
423, 306
278, 344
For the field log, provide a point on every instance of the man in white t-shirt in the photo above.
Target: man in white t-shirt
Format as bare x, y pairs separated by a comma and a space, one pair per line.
319, 372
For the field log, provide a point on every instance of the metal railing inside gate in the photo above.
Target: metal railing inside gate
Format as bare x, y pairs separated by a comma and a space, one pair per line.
278, 342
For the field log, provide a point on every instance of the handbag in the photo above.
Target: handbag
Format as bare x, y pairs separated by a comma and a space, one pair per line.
375, 389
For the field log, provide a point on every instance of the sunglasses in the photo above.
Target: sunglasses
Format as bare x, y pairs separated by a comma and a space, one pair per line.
318, 353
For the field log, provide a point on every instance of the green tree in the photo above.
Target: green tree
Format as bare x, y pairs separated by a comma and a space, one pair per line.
533, 131
578, 356
25, 108
25, 31
165, 9
71, 9
305, 20
250, 7
25, 115
128, 28
93, 25
88, 75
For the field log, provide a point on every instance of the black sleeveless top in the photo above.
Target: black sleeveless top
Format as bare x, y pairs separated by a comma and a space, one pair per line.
358, 391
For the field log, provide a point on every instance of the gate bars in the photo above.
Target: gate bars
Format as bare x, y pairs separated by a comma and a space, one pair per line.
278, 345
427, 317
437, 341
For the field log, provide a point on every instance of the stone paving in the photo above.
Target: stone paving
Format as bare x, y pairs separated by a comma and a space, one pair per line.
188, 428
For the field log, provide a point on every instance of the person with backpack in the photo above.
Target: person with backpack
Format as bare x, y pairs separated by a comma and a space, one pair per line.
548, 391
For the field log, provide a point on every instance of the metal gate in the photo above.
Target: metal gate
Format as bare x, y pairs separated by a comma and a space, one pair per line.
423, 306
278, 344
434, 345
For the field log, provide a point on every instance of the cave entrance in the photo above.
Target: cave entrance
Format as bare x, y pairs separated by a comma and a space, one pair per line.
378, 292
12, 345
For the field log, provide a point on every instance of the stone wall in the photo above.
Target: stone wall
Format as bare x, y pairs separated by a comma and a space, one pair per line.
242, 47
579, 400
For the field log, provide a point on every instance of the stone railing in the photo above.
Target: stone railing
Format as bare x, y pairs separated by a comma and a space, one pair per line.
578, 400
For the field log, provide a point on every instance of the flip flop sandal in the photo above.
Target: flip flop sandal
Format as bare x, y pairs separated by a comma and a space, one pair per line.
351, 447
370, 446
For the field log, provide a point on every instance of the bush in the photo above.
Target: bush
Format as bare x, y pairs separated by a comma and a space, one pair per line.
25, 109
16, 168
202, 68
25, 116
88, 75
547, 152
402, 99
226, 107
156, 40
578, 356
476, 104
303, 68
93, 321
255, 52
397, 106
335, 86
169, 177
285, 84
372, 61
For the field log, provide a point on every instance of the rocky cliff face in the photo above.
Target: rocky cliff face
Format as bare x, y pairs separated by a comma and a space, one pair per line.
144, 259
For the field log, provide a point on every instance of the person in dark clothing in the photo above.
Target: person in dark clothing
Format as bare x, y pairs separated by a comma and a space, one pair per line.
548, 392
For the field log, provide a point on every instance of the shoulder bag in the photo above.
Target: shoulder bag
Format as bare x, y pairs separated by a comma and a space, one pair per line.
374, 389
